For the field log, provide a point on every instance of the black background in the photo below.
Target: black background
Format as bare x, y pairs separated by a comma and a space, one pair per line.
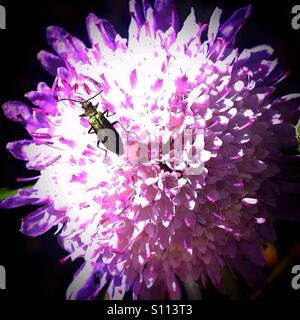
32, 264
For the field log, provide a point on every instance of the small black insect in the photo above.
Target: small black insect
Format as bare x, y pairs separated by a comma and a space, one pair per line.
101, 126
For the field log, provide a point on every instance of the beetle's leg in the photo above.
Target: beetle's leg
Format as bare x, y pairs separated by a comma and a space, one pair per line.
110, 115
115, 122
127, 131
82, 115
106, 113
90, 130
98, 142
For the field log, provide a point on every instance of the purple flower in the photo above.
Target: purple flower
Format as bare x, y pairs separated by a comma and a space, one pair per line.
148, 226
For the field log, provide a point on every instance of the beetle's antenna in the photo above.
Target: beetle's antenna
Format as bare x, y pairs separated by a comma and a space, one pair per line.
94, 96
70, 100
82, 100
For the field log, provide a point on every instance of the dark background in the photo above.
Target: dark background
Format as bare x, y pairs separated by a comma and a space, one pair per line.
32, 264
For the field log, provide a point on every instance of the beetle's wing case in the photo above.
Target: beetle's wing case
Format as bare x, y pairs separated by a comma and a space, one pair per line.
111, 139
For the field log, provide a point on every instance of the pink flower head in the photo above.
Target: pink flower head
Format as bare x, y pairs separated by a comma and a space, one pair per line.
148, 226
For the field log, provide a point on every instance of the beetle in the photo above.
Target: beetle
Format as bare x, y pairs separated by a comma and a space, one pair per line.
101, 126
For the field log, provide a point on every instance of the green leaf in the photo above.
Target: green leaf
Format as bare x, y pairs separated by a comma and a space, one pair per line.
231, 285
297, 129
6, 193
192, 290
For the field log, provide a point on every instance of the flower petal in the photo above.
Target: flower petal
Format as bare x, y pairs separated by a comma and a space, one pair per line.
166, 15
41, 220
43, 98
101, 33
17, 111
50, 61
66, 45
87, 282
213, 26
136, 12
23, 198
252, 252
230, 28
